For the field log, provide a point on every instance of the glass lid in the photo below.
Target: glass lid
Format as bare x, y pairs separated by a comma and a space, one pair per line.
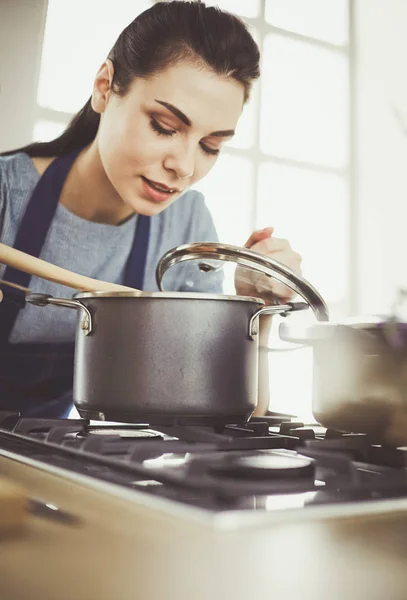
207, 266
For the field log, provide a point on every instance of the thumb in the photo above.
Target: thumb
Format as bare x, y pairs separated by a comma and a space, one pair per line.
258, 236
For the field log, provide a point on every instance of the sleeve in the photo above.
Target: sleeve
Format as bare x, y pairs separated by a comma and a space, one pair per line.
201, 229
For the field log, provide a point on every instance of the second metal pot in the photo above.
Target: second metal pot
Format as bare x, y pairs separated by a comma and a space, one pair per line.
360, 377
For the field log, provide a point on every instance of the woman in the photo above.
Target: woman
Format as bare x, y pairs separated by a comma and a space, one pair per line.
112, 193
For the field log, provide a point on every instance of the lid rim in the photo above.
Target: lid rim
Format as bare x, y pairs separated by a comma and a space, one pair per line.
168, 295
245, 257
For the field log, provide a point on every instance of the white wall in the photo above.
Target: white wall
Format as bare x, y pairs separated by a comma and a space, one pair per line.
381, 150
21, 33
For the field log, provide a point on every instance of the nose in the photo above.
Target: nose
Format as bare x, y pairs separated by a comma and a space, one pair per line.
181, 162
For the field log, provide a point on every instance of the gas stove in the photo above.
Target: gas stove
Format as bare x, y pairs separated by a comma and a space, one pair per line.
273, 463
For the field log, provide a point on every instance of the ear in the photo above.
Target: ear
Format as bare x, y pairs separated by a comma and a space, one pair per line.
102, 87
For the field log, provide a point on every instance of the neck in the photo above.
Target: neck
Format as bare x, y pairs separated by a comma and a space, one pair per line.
88, 192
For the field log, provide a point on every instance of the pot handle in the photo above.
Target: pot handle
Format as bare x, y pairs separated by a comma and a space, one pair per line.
246, 258
45, 300
275, 309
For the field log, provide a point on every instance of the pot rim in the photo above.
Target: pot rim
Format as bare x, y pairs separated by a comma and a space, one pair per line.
168, 295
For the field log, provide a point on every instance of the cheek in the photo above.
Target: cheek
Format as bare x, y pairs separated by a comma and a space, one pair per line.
124, 149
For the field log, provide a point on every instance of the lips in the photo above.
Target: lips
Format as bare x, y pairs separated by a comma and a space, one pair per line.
158, 192
161, 187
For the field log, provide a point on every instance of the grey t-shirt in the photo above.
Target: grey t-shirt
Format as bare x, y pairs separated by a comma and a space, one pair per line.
96, 250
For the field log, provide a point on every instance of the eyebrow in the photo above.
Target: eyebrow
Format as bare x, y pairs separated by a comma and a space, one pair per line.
182, 117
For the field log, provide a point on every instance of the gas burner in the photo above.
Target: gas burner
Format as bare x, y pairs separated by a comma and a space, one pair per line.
267, 459
218, 423
125, 432
262, 465
266, 465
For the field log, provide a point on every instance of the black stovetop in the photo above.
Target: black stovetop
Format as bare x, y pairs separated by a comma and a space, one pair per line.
272, 463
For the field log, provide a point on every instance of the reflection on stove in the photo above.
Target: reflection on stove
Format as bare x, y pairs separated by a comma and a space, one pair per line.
284, 501
166, 460
272, 463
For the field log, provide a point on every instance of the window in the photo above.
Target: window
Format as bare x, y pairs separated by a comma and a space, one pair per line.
288, 165
317, 19
304, 102
67, 68
296, 140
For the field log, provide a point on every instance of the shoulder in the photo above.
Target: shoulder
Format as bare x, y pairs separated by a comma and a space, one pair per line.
18, 178
17, 172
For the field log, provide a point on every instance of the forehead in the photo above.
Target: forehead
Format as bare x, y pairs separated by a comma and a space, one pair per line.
212, 102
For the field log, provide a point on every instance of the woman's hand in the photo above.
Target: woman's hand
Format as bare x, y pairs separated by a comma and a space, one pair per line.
252, 283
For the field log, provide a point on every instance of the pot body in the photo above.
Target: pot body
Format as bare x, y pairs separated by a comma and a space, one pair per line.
360, 385
167, 359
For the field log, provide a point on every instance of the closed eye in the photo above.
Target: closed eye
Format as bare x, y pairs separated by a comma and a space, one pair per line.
160, 129
211, 151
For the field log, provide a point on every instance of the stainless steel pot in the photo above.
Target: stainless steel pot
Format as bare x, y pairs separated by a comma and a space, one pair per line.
171, 357
360, 376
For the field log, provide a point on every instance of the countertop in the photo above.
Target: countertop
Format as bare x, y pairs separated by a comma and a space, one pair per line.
124, 549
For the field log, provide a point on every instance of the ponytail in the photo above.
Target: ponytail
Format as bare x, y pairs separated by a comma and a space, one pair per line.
80, 132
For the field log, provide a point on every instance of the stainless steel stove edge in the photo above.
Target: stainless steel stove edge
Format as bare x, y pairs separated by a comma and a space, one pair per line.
231, 520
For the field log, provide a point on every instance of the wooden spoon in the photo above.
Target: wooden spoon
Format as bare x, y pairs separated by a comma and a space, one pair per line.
41, 268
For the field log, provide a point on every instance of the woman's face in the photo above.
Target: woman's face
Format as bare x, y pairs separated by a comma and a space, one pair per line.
166, 133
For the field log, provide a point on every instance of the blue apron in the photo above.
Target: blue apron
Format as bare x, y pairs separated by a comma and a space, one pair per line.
36, 379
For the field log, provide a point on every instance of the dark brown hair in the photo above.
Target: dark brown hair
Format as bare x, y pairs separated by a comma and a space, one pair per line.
166, 33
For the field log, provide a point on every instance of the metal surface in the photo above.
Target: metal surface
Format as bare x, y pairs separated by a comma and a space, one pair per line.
360, 379
185, 295
278, 309
48, 510
167, 359
249, 259
196, 466
45, 300
124, 534
274, 545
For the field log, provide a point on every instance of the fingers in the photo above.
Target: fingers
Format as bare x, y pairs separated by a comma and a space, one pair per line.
258, 236
279, 249
271, 245
262, 241
290, 259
